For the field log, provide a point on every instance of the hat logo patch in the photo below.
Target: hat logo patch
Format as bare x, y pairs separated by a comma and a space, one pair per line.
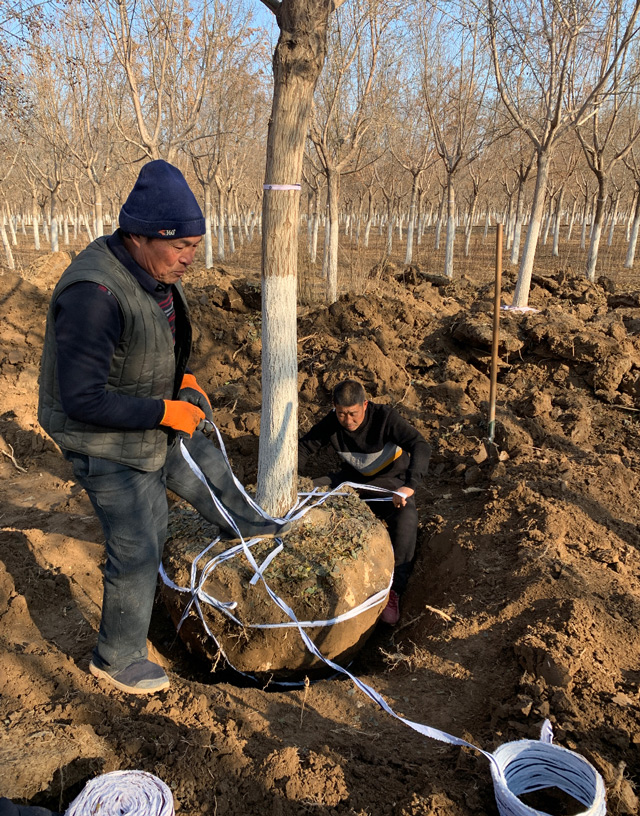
167, 233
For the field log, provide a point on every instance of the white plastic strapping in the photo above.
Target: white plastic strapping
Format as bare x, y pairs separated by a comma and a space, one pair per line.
123, 793
517, 767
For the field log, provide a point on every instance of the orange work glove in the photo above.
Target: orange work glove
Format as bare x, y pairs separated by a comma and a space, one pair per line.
191, 392
182, 416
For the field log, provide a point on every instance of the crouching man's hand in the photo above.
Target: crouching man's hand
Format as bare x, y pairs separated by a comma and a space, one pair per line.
401, 496
191, 392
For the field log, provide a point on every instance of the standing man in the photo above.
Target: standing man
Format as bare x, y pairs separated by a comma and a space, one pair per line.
115, 393
378, 447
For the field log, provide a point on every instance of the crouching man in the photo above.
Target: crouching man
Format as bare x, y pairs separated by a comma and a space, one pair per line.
377, 447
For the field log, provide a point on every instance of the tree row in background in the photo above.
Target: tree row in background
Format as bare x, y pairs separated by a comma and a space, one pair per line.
428, 116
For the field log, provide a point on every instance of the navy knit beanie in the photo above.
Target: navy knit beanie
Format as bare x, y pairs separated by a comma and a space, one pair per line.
161, 204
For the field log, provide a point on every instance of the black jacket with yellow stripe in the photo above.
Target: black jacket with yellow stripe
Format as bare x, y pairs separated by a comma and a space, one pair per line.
383, 445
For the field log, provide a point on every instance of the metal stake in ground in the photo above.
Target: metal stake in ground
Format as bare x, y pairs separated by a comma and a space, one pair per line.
496, 335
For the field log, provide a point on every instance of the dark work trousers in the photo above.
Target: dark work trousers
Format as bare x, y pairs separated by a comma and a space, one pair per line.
133, 510
402, 522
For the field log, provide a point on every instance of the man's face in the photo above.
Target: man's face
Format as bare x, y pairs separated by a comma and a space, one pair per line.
351, 416
166, 260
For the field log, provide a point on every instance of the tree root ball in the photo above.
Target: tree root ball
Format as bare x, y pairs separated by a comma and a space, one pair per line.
334, 558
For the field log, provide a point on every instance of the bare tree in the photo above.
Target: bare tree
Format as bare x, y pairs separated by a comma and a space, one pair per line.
164, 48
453, 83
233, 113
297, 62
343, 107
550, 77
412, 146
606, 139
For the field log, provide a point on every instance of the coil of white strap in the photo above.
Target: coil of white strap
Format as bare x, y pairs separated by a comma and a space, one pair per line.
517, 767
123, 793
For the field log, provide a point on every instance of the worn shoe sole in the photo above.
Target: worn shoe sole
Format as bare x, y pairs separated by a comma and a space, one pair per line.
101, 674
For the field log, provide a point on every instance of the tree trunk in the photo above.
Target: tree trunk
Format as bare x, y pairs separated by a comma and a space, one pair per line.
451, 228
36, 224
297, 62
614, 218
471, 219
439, 221
556, 226
633, 238
521, 294
331, 272
517, 231
412, 220
99, 213
55, 246
596, 231
222, 208
8, 254
572, 218
208, 237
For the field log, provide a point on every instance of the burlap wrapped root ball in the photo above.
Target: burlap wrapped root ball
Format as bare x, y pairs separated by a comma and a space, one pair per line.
335, 558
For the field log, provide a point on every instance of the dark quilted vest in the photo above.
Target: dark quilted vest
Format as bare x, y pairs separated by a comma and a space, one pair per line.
143, 364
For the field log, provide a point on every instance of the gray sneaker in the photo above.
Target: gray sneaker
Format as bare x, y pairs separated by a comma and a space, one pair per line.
141, 677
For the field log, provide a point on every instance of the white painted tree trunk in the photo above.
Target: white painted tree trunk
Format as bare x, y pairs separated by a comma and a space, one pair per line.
596, 231
630, 216
614, 219
367, 230
523, 285
232, 241
547, 226
98, 209
408, 257
451, 229
297, 62
389, 241
8, 254
333, 192
469, 229
572, 219
54, 242
556, 225
633, 237
313, 254
222, 208
12, 228
517, 231
36, 226
439, 221
87, 226
208, 237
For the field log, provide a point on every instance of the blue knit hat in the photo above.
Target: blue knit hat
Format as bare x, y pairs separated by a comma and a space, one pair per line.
161, 204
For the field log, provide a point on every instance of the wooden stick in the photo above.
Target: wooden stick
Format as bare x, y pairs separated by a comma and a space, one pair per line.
496, 335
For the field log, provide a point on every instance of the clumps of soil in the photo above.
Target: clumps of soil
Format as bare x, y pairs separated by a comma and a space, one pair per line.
525, 599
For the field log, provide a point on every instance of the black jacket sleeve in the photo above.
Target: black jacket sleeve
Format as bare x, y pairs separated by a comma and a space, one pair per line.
88, 325
412, 442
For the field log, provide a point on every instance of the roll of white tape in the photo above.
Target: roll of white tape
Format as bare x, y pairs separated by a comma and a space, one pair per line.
123, 793
525, 766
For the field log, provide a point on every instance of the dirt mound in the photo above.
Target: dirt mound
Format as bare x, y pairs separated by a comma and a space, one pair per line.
524, 603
